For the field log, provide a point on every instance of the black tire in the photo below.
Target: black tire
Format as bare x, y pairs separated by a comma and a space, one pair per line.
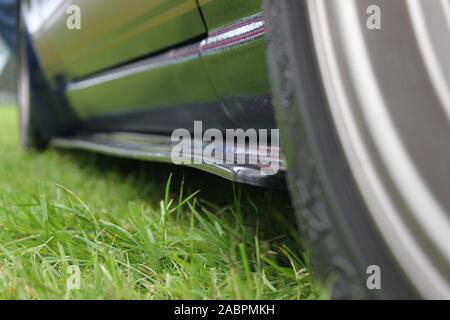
341, 236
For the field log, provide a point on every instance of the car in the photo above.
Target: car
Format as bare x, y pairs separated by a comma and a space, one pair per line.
358, 90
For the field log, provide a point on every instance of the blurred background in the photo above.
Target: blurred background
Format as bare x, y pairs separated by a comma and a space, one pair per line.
7, 76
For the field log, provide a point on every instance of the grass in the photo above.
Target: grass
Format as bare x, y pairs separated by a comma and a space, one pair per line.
136, 231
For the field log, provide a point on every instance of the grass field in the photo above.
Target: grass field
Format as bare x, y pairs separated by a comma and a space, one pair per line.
135, 233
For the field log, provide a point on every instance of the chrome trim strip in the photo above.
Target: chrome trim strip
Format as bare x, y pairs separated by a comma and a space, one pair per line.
158, 148
236, 34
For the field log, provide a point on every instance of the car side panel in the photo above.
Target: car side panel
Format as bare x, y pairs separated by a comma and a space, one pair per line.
219, 77
224, 75
238, 72
154, 83
112, 33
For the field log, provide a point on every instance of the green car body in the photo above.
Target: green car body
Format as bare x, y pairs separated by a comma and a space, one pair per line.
112, 65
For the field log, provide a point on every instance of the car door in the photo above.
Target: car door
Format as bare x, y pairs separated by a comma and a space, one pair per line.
111, 32
238, 69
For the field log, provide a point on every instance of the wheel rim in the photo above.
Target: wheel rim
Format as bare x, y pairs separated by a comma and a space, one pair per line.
388, 92
23, 88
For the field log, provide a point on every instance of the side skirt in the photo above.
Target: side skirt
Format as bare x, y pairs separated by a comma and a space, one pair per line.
159, 148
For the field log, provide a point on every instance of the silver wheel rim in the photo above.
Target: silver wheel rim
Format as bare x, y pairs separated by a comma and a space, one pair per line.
388, 92
23, 90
